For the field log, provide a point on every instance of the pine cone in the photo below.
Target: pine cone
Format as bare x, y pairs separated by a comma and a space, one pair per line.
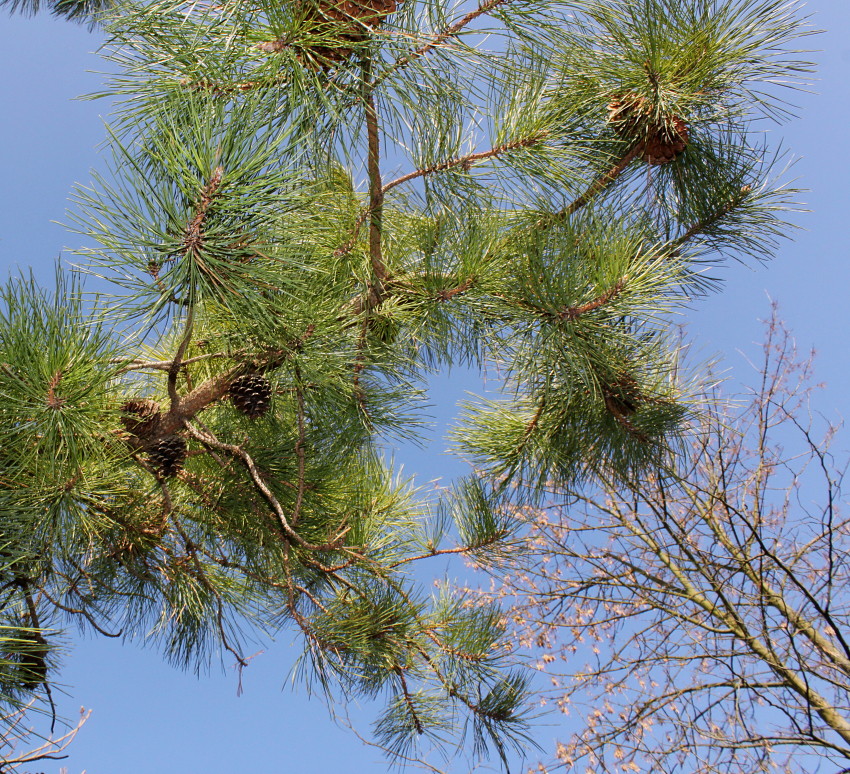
168, 454
667, 144
626, 113
140, 416
343, 22
633, 118
33, 663
622, 398
251, 395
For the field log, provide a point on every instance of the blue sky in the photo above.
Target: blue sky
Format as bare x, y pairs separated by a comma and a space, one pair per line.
150, 717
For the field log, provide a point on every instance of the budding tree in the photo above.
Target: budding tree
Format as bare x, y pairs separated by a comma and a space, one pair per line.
699, 621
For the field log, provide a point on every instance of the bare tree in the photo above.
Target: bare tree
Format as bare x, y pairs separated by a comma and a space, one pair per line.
699, 620
21, 744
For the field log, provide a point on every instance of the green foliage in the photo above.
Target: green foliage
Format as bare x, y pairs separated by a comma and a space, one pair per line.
563, 175
81, 11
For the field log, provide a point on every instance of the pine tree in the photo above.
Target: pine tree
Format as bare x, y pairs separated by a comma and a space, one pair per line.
313, 205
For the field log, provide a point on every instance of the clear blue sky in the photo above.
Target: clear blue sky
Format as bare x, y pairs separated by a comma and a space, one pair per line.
149, 717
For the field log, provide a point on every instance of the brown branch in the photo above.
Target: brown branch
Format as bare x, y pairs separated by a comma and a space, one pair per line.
618, 409
710, 220
467, 161
53, 400
574, 312
376, 190
408, 700
222, 90
238, 451
272, 46
194, 237
163, 365
201, 574
447, 295
216, 387
359, 365
532, 425
346, 248
601, 182
78, 611
299, 451
174, 369
467, 549
47, 750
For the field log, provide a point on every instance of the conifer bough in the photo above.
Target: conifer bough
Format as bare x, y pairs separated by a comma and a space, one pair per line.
325, 203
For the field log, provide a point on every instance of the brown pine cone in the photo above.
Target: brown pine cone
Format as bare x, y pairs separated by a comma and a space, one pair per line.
251, 395
633, 117
343, 22
140, 416
168, 454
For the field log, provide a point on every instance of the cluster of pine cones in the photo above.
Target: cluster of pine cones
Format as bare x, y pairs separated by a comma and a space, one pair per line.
250, 394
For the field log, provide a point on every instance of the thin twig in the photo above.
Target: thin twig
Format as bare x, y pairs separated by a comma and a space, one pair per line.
710, 220
572, 313
465, 162
164, 365
299, 450
596, 187
440, 38
174, 370
238, 451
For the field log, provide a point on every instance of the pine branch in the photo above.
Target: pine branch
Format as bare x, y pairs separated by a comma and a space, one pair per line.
174, 370
438, 40
702, 225
193, 240
376, 191
466, 162
573, 313
237, 451
166, 365
598, 185
78, 611
216, 387
299, 450
408, 700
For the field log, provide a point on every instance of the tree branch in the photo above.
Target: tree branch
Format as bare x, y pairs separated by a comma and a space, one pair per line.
440, 38
465, 162
376, 190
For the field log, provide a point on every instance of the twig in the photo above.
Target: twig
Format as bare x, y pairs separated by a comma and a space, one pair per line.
216, 387
600, 183
193, 239
163, 365
467, 161
174, 370
408, 700
299, 450
574, 312
710, 220
238, 451
78, 611
439, 39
